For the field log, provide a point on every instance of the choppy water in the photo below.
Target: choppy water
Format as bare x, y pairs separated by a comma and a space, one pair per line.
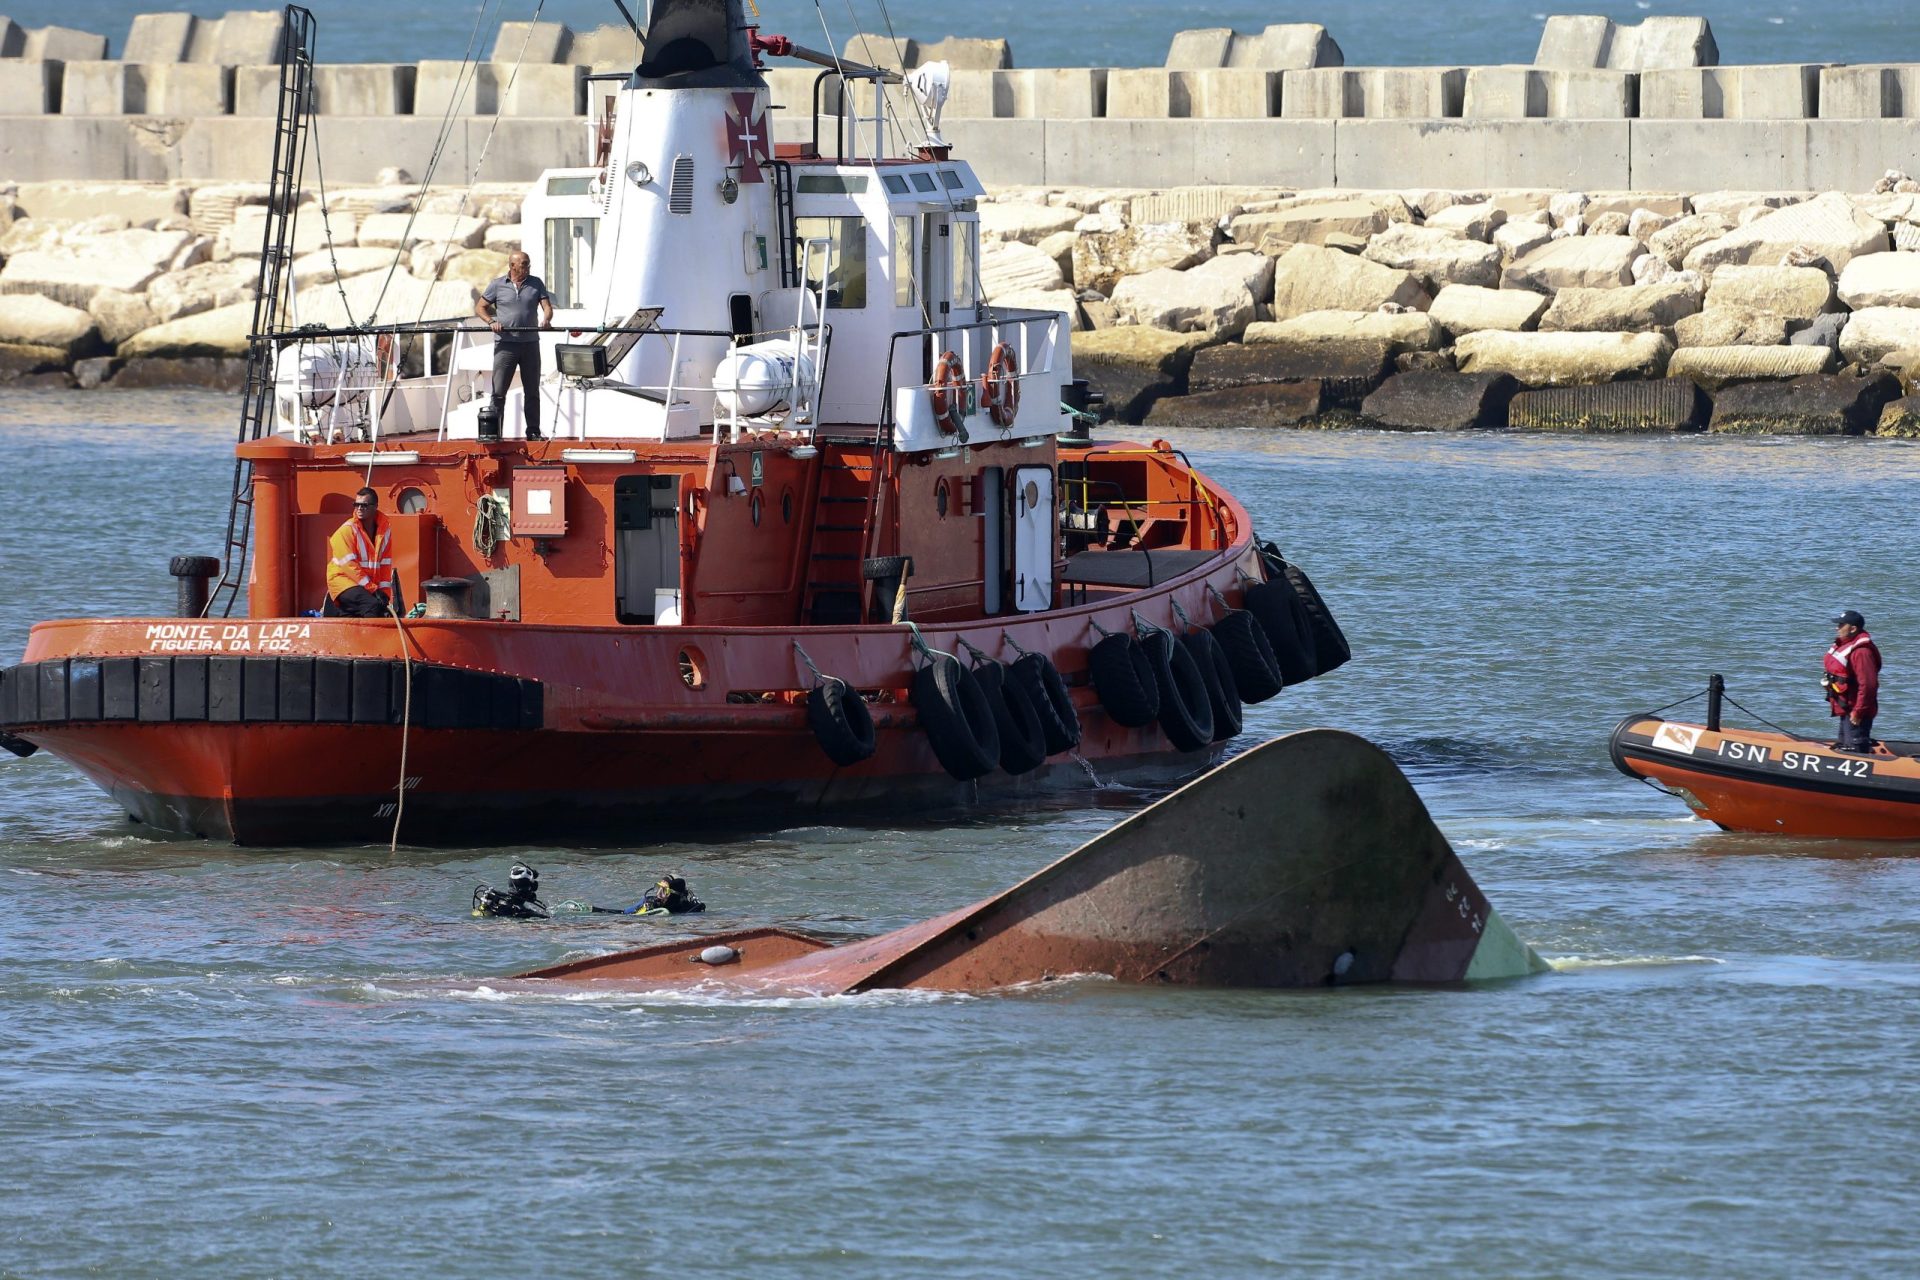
1121, 33
299, 1062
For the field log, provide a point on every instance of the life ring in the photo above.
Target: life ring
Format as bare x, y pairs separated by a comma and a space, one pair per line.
1217, 672
949, 393
1047, 690
1000, 386
1256, 672
1186, 713
1123, 677
841, 722
958, 720
1023, 745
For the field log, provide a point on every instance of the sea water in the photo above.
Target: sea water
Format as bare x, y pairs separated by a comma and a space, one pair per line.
304, 1061
1088, 33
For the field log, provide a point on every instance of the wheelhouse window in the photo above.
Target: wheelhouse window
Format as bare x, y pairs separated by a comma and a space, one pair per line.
569, 259
903, 260
846, 278
966, 251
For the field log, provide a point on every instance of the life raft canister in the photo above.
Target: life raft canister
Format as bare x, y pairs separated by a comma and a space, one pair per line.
1000, 386
949, 394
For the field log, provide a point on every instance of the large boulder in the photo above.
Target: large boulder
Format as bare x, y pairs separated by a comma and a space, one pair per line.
1828, 226
1628, 309
1873, 332
1310, 278
345, 263
1265, 404
1575, 262
1313, 222
1102, 258
1561, 359
31, 366
1344, 369
120, 315
1665, 404
1516, 240
1024, 221
1132, 366
1717, 367
1065, 301
1821, 405
33, 321
1730, 327
201, 288
1439, 401
1798, 293
1673, 242
1900, 419
1463, 308
1401, 331
404, 230
1010, 266
1436, 258
1881, 280
373, 297
220, 332
1219, 296
81, 266
1474, 221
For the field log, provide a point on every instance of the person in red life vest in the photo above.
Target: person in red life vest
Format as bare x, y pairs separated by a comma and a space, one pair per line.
1852, 681
360, 579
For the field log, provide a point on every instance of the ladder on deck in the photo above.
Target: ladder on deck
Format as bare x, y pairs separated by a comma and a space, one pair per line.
842, 530
283, 193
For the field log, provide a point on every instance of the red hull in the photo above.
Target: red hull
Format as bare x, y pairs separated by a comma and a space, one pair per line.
1771, 784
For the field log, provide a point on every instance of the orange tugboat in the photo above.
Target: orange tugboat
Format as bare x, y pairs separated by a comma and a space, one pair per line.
807, 527
1774, 783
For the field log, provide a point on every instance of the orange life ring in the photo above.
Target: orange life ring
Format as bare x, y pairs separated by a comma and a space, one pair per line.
949, 393
1000, 386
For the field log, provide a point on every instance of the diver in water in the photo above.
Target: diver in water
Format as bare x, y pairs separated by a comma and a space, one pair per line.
519, 901
668, 897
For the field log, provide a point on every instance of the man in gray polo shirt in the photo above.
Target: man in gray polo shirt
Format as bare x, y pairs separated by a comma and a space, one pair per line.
516, 307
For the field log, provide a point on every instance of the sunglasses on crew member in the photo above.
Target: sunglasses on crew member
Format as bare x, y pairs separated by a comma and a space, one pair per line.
366, 504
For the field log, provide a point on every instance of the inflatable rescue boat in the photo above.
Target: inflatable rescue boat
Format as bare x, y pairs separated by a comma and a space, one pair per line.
1774, 783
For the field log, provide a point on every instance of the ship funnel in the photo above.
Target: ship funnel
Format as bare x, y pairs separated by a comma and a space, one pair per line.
697, 44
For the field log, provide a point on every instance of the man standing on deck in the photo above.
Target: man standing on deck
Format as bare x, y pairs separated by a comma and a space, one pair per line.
1852, 681
360, 581
515, 307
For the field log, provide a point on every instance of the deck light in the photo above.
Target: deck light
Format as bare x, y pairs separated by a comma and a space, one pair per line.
599, 455
384, 458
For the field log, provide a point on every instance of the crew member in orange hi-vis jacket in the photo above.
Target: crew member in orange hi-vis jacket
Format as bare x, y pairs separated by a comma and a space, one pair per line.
360, 581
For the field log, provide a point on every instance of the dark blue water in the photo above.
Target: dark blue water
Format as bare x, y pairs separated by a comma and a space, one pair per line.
301, 1062
1121, 33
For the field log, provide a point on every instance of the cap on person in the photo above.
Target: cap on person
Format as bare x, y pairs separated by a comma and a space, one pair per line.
1849, 618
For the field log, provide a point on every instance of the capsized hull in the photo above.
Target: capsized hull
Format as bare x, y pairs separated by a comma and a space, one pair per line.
1772, 784
1308, 861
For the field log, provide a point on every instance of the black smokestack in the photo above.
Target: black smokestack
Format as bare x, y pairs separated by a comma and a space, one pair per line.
697, 44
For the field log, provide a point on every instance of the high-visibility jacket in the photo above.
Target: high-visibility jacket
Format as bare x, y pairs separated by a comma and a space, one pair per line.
355, 560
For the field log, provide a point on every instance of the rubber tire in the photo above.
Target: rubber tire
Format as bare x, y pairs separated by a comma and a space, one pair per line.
1256, 672
1285, 623
1222, 692
1330, 647
193, 567
1046, 688
957, 718
1023, 745
1186, 712
1123, 678
841, 722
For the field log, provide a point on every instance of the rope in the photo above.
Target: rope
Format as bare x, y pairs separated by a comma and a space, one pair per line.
818, 674
1140, 624
406, 728
1219, 599
921, 646
1007, 639
1181, 614
978, 657
1763, 720
1095, 624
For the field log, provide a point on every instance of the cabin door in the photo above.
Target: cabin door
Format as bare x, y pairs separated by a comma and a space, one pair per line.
1033, 539
646, 549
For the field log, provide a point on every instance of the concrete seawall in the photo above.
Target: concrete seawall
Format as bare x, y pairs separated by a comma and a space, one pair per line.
1603, 106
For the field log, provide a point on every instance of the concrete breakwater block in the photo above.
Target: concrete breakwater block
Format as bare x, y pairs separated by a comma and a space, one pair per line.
1519, 93
1669, 404
1821, 405
1576, 262
1628, 309
1900, 419
1346, 368
1871, 332
29, 88
1828, 225
1287, 46
1269, 404
1401, 331
1132, 366
1590, 40
1428, 400
1798, 293
1717, 367
1730, 327
1462, 309
22, 365
1789, 91
1565, 359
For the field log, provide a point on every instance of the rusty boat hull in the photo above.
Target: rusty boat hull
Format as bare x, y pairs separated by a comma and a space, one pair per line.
1774, 784
1308, 861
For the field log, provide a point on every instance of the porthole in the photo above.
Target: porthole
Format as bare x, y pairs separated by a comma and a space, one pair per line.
940, 499
786, 506
753, 508
693, 668
411, 502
